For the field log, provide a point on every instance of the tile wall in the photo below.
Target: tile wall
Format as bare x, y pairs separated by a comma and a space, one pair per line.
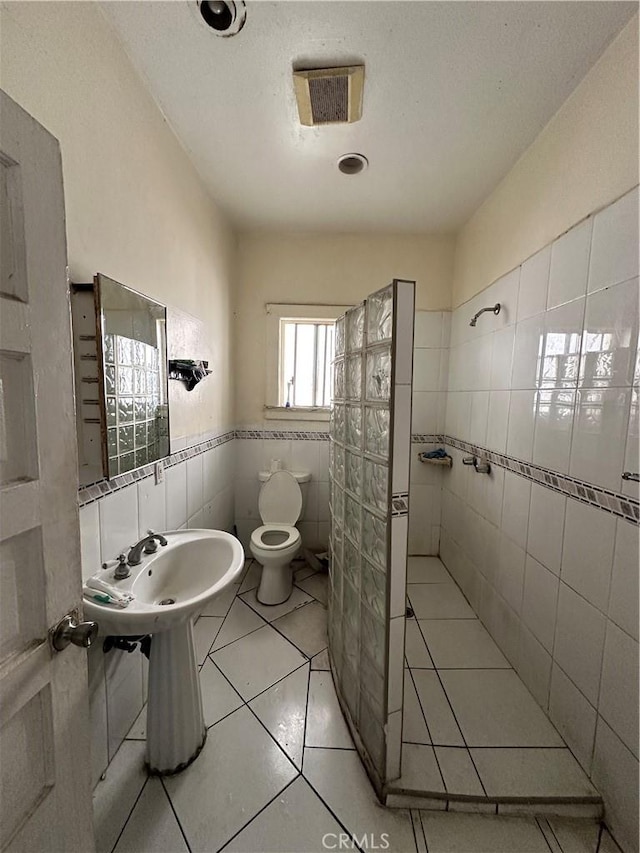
196, 492
552, 381
304, 450
430, 372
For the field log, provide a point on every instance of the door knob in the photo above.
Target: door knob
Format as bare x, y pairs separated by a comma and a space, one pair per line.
68, 630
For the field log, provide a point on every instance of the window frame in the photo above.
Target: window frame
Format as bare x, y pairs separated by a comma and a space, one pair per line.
276, 312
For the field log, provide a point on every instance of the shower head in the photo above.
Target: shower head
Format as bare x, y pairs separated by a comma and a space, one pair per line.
495, 309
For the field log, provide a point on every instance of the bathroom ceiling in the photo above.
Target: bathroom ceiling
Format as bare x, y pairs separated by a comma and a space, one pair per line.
454, 93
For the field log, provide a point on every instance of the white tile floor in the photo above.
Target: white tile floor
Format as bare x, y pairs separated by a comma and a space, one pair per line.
279, 771
462, 697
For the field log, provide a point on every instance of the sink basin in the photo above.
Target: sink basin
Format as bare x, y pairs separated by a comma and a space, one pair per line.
171, 588
185, 574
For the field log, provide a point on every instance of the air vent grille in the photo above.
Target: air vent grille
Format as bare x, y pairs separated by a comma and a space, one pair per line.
329, 98
329, 95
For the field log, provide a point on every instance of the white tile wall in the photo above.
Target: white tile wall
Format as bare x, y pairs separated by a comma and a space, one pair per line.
588, 552
204, 487
431, 371
546, 526
254, 455
152, 506
540, 602
90, 540
619, 688
176, 494
515, 508
534, 280
574, 717
614, 246
570, 265
118, 514
555, 580
623, 600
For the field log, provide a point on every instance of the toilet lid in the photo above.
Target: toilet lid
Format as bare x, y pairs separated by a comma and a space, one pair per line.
280, 500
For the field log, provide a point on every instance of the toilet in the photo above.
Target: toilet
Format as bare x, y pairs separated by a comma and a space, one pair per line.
277, 541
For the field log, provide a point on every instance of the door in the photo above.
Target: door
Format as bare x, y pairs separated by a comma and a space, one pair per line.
45, 782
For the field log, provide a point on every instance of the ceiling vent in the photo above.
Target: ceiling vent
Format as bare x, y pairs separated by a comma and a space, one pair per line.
329, 95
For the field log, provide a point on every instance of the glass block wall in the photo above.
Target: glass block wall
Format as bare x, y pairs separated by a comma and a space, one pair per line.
136, 406
369, 477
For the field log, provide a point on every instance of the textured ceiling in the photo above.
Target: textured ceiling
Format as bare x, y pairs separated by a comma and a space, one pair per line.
454, 93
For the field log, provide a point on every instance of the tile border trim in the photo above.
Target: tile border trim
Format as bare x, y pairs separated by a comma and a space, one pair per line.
612, 502
101, 488
399, 504
282, 434
609, 501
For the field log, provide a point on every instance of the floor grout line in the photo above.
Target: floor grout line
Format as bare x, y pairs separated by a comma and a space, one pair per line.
414, 814
135, 803
331, 811
175, 814
306, 718
250, 821
299, 772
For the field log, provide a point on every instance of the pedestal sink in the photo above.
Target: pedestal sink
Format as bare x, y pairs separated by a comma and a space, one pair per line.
171, 587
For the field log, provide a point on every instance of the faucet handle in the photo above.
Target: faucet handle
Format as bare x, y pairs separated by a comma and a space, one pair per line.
122, 569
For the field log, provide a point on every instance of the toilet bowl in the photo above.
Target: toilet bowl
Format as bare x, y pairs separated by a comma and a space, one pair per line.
277, 541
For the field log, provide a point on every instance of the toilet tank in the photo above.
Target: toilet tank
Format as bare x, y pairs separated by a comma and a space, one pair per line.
302, 478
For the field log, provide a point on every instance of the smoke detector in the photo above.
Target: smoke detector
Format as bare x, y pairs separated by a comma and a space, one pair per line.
329, 95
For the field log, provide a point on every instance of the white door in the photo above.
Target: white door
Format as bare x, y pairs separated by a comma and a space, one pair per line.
45, 793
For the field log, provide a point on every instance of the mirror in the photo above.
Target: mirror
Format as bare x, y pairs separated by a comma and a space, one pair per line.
131, 427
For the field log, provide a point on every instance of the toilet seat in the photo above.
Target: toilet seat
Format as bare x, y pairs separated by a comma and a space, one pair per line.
292, 537
280, 500
277, 541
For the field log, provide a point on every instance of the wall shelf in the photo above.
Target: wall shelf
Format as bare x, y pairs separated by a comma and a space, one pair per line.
444, 461
188, 371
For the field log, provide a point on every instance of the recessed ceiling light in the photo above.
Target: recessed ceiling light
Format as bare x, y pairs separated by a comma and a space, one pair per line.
225, 17
352, 164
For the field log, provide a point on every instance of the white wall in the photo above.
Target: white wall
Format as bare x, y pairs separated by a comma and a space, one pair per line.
555, 580
585, 158
332, 269
136, 208
137, 211
313, 268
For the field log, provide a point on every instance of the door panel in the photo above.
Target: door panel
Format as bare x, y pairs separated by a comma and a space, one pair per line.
45, 789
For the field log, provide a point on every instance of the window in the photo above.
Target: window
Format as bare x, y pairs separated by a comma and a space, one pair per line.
305, 362
299, 354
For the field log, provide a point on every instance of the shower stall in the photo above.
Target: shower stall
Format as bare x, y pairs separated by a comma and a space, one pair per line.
369, 474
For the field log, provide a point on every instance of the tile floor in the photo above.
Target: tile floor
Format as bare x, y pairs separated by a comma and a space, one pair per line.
470, 726
279, 771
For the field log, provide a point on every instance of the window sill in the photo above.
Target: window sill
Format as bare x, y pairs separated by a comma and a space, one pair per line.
299, 413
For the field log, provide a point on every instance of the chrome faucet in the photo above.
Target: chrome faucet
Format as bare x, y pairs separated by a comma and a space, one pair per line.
149, 544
